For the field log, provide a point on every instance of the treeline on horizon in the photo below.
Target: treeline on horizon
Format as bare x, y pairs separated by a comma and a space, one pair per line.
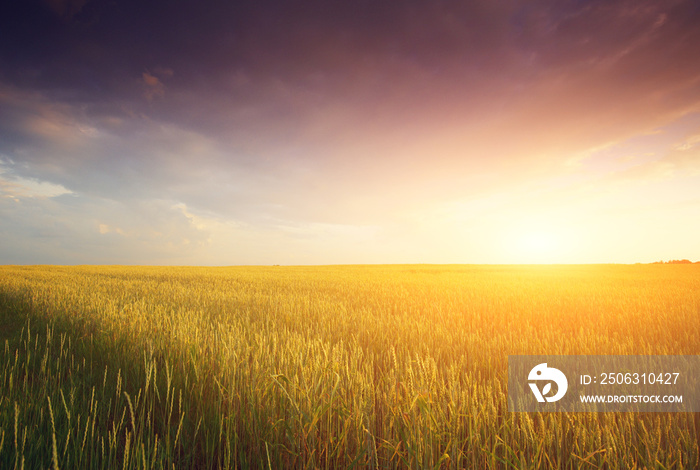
676, 261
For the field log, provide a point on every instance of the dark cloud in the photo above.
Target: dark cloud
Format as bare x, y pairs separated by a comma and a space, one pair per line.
263, 64
66, 9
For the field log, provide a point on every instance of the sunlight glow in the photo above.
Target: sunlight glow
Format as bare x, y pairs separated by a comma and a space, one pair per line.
539, 242
535, 243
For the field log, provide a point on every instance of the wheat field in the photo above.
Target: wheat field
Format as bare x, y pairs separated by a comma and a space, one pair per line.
328, 367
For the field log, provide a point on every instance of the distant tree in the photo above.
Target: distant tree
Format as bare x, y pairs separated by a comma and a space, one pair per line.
676, 261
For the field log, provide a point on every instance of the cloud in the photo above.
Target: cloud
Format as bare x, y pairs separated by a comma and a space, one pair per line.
19, 187
689, 143
73, 230
154, 87
65, 9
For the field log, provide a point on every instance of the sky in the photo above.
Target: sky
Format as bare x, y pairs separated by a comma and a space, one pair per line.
349, 132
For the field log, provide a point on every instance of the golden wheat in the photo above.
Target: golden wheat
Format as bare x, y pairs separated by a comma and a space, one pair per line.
328, 367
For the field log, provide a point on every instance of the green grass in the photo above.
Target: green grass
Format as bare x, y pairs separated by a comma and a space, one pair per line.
328, 367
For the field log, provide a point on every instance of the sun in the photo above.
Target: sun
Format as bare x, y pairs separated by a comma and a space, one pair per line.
535, 244
539, 242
